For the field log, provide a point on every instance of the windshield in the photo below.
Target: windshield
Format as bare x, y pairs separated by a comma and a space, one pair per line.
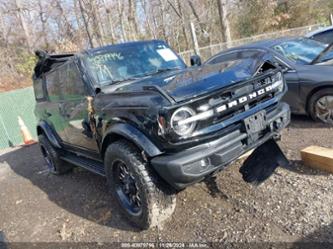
131, 61
301, 50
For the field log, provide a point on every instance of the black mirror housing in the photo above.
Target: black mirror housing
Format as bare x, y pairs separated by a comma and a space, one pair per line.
195, 60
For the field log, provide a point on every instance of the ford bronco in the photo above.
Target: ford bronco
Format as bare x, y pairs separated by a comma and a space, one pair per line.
137, 115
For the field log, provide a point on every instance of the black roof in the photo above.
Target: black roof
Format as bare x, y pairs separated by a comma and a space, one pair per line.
111, 46
318, 31
267, 43
47, 62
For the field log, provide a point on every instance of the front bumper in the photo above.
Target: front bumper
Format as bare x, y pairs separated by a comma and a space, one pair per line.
193, 165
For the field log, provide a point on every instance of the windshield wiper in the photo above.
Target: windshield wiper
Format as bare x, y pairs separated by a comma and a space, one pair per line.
124, 80
162, 70
322, 53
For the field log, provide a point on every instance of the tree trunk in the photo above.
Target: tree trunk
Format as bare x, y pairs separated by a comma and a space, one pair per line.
132, 19
23, 24
147, 19
77, 14
121, 19
43, 21
201, 25
97, 23
224, 20
86, 24
184, 22
110, 24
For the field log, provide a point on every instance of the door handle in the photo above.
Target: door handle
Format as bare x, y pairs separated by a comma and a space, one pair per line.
48, 114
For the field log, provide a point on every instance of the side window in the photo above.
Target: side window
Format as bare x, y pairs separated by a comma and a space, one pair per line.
53, 85
38, 89
233, 56
224, 58
250, 54
74, 87
328, 56
325, 37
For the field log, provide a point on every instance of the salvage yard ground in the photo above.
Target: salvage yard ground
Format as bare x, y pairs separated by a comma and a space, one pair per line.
295, 204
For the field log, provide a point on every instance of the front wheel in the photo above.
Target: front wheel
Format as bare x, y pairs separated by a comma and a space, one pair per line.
321, 106
142, 197
52, 158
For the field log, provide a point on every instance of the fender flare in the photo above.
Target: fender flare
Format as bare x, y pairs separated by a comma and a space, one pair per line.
45, 128
133, 135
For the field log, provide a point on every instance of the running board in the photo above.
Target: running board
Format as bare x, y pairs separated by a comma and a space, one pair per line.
88, 164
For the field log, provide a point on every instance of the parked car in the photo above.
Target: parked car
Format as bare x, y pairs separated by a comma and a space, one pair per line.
324, 35
308, 67
136, 114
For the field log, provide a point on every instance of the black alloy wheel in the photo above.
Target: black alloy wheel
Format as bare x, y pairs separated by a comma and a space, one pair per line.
126, 188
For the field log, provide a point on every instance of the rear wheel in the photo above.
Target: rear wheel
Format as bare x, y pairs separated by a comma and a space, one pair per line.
321, 106
143, 199
52, 158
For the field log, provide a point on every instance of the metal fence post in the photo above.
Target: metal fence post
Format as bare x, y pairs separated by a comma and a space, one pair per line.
194, 39
6, 132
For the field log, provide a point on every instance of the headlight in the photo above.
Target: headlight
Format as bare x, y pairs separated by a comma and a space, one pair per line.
183, 128
278, 81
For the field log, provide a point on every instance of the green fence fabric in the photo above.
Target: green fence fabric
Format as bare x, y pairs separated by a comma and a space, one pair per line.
13, 104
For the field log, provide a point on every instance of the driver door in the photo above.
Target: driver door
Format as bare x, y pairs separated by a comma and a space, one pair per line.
75, 110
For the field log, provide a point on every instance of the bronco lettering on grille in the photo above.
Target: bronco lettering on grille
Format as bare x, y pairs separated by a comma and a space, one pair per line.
246, 98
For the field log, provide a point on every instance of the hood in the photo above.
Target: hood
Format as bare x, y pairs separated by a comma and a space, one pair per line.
195, 81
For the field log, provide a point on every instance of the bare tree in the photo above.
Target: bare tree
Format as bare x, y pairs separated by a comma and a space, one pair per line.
43, 21
96, 20
224, 20
148, 24
109, 22
23, 23
86, 24
184, 21
121, 19
71, 25
132, 22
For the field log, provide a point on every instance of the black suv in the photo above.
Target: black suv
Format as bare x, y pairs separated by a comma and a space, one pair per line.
136, 114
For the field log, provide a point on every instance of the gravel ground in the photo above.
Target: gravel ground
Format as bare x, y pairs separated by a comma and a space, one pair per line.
293, 205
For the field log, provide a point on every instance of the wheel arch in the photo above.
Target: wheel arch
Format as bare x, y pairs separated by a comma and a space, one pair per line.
44, 129
314, 91
132, 135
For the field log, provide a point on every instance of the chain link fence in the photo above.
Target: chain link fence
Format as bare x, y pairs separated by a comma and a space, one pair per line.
208, 51
13, 104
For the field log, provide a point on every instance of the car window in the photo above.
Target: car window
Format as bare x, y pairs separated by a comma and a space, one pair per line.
38, 88
223, 58
301, 51
74, 87
327, 56
53, 85
324, 37
232, 56
120, 63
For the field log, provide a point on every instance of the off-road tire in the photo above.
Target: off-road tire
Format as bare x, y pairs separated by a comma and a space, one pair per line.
157, 200
58, 166
313, 100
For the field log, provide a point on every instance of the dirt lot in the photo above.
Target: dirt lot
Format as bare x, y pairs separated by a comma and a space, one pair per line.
293, 205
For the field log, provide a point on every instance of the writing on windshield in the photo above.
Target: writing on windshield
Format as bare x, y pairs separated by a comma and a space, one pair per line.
121, 63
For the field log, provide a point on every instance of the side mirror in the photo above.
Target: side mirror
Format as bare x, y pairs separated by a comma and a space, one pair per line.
195, 60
